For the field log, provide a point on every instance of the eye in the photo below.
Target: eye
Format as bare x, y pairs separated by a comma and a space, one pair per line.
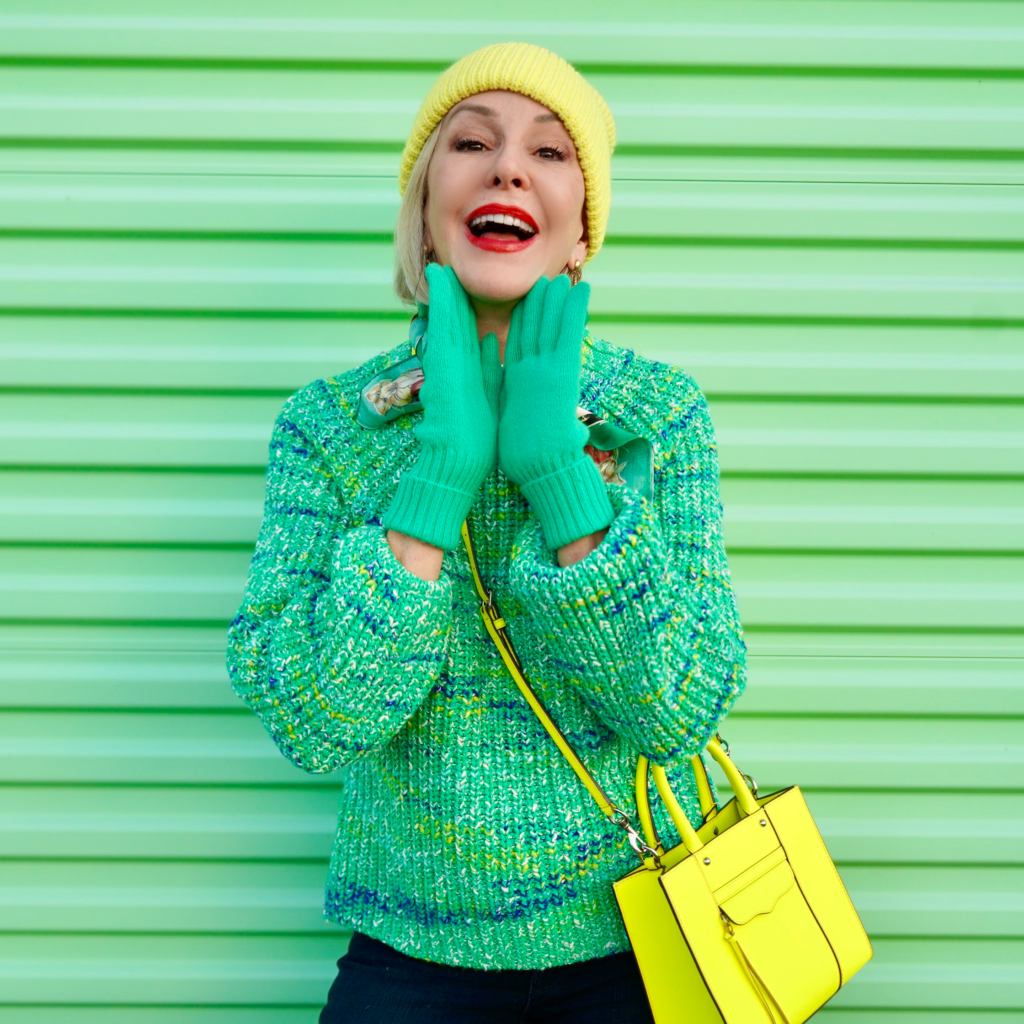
468, 145
552, 153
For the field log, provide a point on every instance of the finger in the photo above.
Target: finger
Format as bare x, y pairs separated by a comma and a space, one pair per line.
440, 297
554, 303
453, 325
458, 292
574, 313
523, 325
533, 311
490, 365
463, 317
513, 350
437, 283
436, 353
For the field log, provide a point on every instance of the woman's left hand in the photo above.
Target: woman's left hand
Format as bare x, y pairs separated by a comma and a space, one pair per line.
540, 439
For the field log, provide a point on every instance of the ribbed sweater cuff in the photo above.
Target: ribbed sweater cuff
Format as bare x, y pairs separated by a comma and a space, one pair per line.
570, 503
433, 499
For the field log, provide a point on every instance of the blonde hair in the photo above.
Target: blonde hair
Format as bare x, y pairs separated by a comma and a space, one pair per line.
410, 251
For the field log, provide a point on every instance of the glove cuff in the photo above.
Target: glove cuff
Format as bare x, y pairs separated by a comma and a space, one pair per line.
433, 499
570, 503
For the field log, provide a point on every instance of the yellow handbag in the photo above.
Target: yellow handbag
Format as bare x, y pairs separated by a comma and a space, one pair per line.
746, 921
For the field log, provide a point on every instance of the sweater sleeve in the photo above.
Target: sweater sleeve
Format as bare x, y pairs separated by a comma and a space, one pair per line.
335, 644
646, 625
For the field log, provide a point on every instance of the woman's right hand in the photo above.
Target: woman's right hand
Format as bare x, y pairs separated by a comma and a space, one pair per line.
461, 382
458, 434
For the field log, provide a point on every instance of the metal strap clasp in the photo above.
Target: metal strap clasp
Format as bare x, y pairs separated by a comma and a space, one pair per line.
642, 850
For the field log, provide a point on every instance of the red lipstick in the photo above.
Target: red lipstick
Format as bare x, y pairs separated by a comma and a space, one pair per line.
509, 243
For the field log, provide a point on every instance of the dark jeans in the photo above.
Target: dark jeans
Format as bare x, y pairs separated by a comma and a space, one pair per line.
377, 984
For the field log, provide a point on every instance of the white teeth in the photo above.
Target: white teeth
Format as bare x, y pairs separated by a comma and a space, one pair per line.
503, 218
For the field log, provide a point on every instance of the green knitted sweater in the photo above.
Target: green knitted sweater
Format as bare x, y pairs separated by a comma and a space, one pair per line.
464, 836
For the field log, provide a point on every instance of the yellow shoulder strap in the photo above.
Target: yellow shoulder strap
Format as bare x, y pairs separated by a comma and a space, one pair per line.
497, 631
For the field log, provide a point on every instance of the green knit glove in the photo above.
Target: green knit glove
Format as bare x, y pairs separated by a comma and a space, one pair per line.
458, 433
540, 440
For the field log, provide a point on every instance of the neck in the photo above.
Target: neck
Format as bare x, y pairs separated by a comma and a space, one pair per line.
493, 318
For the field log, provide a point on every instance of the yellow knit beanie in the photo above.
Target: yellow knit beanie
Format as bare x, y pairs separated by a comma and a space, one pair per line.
548, 79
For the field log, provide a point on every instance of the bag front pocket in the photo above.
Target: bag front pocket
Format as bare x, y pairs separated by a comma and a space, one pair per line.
778, 941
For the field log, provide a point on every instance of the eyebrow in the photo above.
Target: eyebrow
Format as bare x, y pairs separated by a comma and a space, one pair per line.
476, 108
479, 108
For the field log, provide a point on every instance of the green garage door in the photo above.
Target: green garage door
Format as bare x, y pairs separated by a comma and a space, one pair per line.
819, 212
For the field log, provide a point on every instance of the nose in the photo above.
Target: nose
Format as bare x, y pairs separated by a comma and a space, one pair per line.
508, 170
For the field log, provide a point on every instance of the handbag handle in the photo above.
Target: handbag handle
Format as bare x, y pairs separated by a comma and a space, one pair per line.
745, 798
708, 807
648, 846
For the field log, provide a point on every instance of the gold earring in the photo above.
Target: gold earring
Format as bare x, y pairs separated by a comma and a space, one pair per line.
429, 254
575, 274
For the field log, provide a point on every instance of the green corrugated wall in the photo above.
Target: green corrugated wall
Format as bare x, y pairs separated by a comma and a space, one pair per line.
819, 212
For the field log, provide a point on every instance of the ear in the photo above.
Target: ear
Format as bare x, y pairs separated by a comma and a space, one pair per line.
579, 252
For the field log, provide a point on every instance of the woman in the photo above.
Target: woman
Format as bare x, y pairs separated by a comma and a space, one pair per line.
472, 865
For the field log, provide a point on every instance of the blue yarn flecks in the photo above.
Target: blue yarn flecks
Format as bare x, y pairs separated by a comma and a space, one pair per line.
463, 834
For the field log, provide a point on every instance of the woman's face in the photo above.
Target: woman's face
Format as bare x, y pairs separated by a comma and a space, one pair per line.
504, 196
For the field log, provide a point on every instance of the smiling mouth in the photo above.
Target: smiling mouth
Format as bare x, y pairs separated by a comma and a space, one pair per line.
500, 226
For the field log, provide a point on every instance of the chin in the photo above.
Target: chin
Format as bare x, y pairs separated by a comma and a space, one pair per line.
497, 284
